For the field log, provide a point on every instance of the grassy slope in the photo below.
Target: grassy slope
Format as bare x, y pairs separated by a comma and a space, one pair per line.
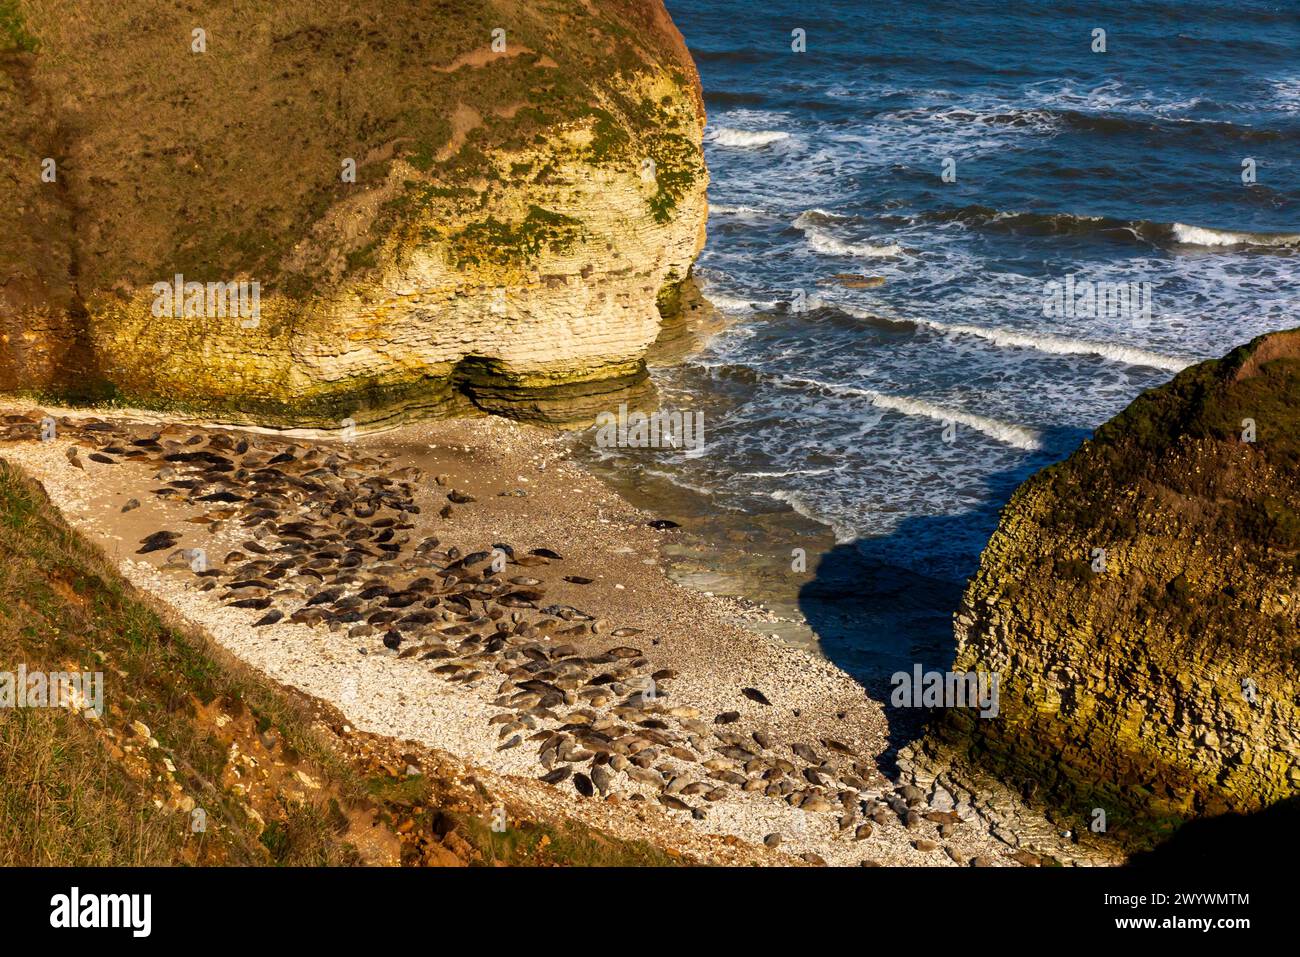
176, 161
70, 791
13, 28
78, 792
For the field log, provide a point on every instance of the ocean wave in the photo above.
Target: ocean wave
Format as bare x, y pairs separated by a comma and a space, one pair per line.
1111, 96
1057, 345
1034, 119
818, 217
1110, 123
843, 533
739, 211
1018, 436
1077, 116
1008, 433
745, 139
1131, 230
676, 479
821, 240
1202, 236
719, 289
1033, 224
735, 304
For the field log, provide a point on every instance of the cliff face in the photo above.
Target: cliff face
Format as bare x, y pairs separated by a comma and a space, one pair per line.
1157, 681
529, 183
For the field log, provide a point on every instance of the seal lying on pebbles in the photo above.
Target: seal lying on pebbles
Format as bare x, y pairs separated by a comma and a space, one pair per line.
157, 541
330, 537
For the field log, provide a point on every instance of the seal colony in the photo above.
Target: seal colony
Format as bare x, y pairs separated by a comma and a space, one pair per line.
289, 550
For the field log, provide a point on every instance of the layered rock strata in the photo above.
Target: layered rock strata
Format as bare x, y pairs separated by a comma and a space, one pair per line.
426, 208
1141, 603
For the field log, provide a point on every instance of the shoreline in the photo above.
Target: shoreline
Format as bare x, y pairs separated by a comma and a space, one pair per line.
604, 539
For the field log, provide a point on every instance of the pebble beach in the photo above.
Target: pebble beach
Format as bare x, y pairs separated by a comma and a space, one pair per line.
548, 649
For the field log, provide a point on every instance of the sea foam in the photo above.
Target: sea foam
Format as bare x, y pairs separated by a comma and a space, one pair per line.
1202, 236
1018, 436
745, 139
821, 240
1043, 342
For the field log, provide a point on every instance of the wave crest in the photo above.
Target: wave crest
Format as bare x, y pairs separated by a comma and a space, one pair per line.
1133, 230
1018, 436
1202, 236
745, 139
1059, 345
821, 240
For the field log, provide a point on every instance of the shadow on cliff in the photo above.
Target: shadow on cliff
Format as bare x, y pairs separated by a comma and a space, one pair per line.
885, 604
1229, 840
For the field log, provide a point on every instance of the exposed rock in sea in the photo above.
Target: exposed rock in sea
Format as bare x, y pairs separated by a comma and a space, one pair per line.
1141, 603
424, 208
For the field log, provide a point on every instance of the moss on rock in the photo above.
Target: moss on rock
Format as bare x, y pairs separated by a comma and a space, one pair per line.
1140, 601
451, 174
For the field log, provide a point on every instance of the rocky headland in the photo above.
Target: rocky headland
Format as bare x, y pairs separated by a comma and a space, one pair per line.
497, 211
1141, 603
391, 207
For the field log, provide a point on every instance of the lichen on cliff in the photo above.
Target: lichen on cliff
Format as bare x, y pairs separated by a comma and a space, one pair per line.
513, 243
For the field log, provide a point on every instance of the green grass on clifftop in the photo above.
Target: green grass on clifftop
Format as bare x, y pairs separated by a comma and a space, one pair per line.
70, 792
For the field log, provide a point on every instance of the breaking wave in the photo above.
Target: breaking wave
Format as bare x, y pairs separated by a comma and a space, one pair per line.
1201, 236
745, 139
821, 240
1039, 341
1018, 436
1165, 235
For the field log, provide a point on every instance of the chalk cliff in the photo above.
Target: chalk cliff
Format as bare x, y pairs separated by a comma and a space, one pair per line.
1141, 602
529, 191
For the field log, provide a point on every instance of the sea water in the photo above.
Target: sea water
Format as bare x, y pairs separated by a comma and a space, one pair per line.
1058, 226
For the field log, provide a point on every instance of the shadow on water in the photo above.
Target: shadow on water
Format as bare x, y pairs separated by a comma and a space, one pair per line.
884, 605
